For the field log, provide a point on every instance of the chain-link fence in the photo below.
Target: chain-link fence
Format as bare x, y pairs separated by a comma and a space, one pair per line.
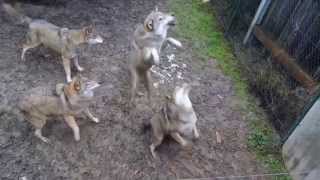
282, 59
296, 24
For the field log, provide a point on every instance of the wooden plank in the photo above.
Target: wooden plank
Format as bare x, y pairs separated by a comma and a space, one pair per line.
280, 56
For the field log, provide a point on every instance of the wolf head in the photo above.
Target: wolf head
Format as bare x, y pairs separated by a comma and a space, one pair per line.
80, 89
159, 22
91, 36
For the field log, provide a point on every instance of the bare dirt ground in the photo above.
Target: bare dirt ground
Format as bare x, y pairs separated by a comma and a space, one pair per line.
117, 147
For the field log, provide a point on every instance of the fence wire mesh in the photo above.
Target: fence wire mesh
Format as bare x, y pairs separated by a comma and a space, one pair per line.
282, 85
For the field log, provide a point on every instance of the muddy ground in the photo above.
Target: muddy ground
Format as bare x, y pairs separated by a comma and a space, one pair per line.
117, 147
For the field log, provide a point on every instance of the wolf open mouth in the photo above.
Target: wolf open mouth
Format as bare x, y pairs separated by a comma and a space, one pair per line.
172, 23
96, 40
92, 85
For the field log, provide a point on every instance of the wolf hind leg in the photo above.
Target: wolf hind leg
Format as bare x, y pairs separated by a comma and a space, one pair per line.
38, 133
176, 136
31, 42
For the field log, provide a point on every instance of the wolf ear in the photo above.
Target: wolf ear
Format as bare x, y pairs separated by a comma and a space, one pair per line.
156, 9
149, 25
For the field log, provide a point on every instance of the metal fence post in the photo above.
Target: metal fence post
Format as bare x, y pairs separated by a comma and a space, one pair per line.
262, 9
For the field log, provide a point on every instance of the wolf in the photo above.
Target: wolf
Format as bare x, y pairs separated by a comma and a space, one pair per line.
148, 41
67, 100
176, 118
60, 39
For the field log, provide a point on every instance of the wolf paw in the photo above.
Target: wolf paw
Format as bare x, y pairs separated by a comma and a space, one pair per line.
96, 120
152, 150
77, 137
80, 69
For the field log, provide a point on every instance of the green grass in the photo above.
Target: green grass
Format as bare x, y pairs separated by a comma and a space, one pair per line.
198, 24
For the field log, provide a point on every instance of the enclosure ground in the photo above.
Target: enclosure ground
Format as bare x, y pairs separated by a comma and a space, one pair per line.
117, 147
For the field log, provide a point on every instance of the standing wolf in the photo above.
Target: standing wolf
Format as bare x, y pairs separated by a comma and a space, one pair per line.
61, 40
149, 39
68, 100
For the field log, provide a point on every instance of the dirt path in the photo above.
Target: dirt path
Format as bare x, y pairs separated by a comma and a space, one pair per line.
117, 147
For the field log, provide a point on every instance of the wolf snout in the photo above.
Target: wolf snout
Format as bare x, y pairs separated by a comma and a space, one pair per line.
100, 39
100, 82
96, 40
172, 22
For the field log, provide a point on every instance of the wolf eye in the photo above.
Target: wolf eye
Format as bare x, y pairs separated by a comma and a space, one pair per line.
89, 30
160, 18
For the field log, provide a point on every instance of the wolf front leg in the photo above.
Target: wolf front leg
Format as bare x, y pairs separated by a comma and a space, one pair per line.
195, 132
151, 56
134, 84
67, 68
38, 133
74, 126
174, 42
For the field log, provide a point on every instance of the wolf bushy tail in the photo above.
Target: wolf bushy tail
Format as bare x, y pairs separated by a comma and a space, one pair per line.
12, 11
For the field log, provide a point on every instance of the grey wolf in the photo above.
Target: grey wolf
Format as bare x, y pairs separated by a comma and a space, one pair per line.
60, 39
176, 118
148, 41
67, 100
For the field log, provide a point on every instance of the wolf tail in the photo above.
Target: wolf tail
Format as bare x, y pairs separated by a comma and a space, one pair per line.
12, 11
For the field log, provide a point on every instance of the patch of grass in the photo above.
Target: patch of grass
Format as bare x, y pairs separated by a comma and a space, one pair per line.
265, 143
198, 24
